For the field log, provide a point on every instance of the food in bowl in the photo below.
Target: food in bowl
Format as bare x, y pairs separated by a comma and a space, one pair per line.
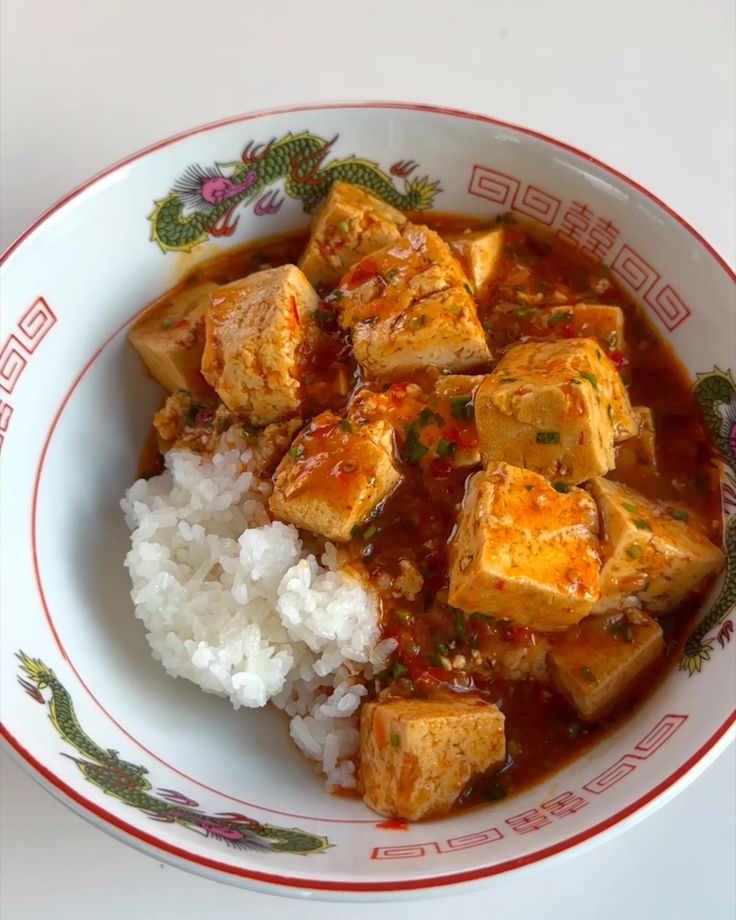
418, 484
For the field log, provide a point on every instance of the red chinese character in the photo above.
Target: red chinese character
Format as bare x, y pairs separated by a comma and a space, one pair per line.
527, 821
575, 222
601, 238
565, 804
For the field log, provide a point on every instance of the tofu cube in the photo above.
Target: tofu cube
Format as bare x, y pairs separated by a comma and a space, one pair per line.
334, 475
601, 322
254, 330
409, 305
636, 460
349, 224
479, 252
169, 337
597, 663
554, 407
524, 551
648, 554
417, 756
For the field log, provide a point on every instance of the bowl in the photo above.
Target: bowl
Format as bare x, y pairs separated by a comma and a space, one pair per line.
180, 774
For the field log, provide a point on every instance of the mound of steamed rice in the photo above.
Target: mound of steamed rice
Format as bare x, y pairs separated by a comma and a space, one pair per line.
233, 602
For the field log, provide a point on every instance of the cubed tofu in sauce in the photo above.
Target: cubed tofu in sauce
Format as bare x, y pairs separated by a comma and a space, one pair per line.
479, 252
554, 407
170, 337
254, 330
334, 476
418, 756
524, 551
410, 305
652, 554
599, 662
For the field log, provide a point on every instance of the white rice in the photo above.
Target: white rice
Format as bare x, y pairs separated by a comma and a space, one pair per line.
232, 602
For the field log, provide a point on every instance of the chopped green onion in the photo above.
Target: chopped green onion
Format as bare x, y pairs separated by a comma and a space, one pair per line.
590, 378
371, 531
642, 525
514, 748
414, 450
390, 274
445, 448
343, 227
588, 675
609, 409
561, 487
529, 488
427, 417
468, 288
442, 649
394, 740
323, 317
344, 425
296, 451
679, 514
404, 616
622, 631
558, 316
462, 407
166, 323
575, 381
633, 551
509, 379
548, 437
495, 793
628, 507
355, 530
398, 669
573, 730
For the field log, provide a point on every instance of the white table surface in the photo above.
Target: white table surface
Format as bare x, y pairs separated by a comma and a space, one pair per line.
648, 86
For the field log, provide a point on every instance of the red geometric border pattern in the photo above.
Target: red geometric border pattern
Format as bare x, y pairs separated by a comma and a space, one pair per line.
651, 742
581, 227
36, 322
416, 850
12, 363
32, 328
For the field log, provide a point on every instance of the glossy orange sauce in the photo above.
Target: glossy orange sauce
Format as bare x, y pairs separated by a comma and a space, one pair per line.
417, 520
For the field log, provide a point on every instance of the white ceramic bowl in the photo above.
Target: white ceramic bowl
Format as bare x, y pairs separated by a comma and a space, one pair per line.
195, 782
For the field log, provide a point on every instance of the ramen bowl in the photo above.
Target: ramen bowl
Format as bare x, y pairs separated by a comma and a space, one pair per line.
181, 774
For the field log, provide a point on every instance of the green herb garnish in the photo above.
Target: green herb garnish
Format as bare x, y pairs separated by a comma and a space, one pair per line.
462, 407
371, 531
398, 669
622, 631
404, 616
344, 425
414, 450
343, 227
558, 316
590, 378
468, 288
428, 417
548, 437
588, 675
628, 507
641, 524
296, 451
562, 487
679, 514
445, 448
633, 551
495, 793
394, 740
573, 730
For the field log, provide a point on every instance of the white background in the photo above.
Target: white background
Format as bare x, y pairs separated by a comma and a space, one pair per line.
648, 86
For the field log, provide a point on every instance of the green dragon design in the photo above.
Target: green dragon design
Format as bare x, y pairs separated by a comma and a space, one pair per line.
127, 781
203, 200
716, 394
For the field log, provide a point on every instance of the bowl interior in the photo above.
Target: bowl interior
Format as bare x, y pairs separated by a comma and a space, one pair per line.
230, 794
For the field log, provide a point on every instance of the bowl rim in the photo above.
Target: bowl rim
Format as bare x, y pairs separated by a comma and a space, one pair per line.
283, 883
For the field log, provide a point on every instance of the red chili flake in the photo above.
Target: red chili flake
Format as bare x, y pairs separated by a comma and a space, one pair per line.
516, 634
581, 438
468, 438
618, 358
179, 324
500, 585
567, 332
205, 415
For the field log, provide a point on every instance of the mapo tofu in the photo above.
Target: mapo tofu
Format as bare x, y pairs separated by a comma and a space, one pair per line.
469, 417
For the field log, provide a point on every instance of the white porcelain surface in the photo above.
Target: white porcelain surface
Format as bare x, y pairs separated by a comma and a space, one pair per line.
69, 290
